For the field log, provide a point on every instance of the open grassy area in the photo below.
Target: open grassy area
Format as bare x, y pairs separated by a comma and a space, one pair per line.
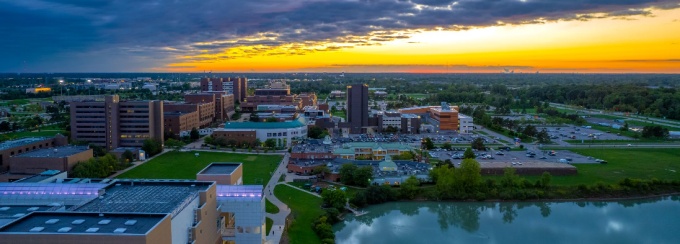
305, 209
339, 113
270, 223
662, 164
270, 207
45, 133
184, 165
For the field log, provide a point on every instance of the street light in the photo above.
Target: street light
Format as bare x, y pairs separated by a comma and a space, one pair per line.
89, 88
61, 87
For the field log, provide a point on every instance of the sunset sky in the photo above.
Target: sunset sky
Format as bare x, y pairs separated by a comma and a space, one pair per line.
611, 36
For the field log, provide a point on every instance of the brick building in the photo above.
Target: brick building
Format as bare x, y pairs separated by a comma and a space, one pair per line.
57, 158
113, 123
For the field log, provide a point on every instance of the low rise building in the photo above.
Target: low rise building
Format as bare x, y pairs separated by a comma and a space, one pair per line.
282, 132
466, 125
19, 146
370, 150
58, 158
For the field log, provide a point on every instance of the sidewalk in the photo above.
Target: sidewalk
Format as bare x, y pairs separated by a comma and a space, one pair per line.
274, 236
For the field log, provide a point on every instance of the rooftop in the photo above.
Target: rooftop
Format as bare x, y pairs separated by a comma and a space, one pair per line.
56, 152
87, 223
147, 196
219, 169
20, 142
266, 125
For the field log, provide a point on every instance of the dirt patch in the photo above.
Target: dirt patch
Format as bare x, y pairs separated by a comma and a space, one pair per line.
250, 158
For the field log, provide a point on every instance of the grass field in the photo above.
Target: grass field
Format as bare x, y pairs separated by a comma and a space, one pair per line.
270, 223
305, 209
339, 113
270, 207
46, 131
662, 164
184, 165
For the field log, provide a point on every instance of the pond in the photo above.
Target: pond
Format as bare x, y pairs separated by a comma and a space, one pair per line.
632, 221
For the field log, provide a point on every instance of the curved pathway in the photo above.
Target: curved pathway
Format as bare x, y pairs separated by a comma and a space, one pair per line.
279, 225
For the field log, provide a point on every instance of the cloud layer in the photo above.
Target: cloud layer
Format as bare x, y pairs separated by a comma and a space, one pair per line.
127, 35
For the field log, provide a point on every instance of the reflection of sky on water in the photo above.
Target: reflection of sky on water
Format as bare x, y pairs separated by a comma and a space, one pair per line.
417, 222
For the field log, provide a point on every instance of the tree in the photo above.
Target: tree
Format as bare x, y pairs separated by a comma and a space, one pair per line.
347, 173
315, 132
444, 181
409, 189
127, 157
545, 180
362, 176
174, 144
334, 198
254, 117
97, 151
530, 130
543, 136
468, 177
429, 144
468, 154
478, 143
447, 146
321, 170
194, 134
270, 143
408, 155
152, 147
271, 119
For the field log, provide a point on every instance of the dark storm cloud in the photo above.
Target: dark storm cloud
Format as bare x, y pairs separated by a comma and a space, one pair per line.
57, 35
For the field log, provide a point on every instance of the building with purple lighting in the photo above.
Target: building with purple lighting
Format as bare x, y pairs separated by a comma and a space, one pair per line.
131, 211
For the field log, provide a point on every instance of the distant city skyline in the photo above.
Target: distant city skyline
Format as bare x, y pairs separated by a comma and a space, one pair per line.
412, 36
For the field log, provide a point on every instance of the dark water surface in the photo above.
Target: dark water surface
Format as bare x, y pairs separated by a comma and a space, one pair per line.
631, 221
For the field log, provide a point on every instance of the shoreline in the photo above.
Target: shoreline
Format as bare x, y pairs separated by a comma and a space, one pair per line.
596, 199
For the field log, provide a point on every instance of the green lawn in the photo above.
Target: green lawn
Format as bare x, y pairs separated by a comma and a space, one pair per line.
305, 209
270, 223
270, 207
47, 131
184, 165
339, 113
417, 95
662, 163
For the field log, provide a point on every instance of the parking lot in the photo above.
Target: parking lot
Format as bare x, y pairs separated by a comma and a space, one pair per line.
580, 133
495, 155
437, 138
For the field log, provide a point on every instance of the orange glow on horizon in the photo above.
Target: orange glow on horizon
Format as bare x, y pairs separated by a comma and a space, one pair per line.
642, 45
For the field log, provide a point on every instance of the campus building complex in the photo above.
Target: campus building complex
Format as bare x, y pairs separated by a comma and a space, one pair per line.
133, 211
17, 147
248, 132
236, 86
113, 123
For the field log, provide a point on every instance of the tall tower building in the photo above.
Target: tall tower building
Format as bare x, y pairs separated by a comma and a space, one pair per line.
357, 108
113, 123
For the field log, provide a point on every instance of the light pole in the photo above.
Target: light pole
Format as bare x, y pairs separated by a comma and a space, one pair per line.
61, 87
89, 87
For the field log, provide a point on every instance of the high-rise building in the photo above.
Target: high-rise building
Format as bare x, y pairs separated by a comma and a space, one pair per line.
357, 108
114, 123
237, 86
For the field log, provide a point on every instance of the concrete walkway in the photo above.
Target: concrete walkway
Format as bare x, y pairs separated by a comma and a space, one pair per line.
274, 236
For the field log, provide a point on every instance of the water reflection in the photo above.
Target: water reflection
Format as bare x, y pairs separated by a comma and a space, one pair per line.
639, 221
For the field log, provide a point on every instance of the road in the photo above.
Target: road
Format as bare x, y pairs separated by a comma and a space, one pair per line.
658, 121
